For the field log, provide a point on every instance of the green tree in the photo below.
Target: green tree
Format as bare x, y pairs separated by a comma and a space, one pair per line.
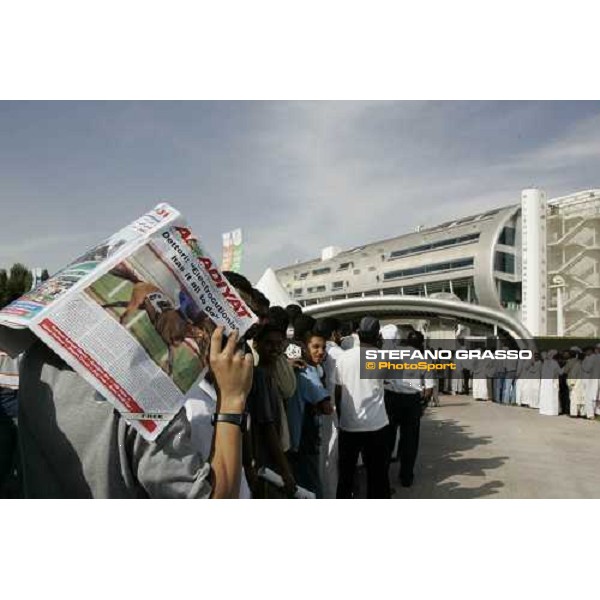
3, 290
19, 282
45, 275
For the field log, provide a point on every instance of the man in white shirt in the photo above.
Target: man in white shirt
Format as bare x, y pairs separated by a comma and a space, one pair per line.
405, 397
363, 422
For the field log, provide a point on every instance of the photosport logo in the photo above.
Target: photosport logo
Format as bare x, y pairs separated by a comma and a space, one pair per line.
393, 362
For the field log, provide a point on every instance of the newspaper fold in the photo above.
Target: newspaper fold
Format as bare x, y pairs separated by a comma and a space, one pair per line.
272, 477
133, 316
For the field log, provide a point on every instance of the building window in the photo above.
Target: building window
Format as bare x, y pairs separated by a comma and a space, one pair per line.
345, 266
445, 243
297, 292
356, 272
316, 289
462, 263
510, 293
504, 262
322, 271
303, 275
414, 290
508, 236
464, 289
337, 285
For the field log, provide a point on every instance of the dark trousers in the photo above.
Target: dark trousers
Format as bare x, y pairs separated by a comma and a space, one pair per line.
306, 471
404, 411
9, 454
466, 380
373, 447
563, 395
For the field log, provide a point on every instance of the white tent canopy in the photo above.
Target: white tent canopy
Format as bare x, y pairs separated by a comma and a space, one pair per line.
271, 287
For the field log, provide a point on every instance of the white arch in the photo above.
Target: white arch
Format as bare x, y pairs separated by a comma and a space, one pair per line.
415, 305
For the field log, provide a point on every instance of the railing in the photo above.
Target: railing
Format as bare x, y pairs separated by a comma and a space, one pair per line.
572, 231
562, 268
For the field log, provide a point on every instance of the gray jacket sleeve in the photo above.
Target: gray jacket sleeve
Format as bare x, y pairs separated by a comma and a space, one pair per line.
168, 467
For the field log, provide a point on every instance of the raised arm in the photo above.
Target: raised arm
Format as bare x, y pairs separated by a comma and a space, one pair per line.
233, 375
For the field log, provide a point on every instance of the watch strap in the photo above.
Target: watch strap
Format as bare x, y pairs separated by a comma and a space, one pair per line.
238, 419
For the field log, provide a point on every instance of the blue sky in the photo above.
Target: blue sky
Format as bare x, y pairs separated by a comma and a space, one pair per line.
296, 176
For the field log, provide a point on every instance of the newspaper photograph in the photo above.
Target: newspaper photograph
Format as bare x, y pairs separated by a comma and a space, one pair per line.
134, 316
20, 312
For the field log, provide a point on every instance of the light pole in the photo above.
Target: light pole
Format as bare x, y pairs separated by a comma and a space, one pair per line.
559, 284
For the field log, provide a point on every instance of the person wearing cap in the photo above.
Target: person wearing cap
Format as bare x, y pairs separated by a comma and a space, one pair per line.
406, 394
363, 422
351, 339
390, 336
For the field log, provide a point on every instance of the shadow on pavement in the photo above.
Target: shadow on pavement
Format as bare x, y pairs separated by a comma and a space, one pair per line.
440, 458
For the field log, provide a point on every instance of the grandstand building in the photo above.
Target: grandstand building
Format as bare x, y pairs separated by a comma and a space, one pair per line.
537, 260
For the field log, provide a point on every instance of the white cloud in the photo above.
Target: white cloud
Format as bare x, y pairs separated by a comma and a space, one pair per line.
295, 176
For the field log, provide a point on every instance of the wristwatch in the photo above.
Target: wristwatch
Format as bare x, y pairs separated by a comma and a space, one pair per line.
239, 419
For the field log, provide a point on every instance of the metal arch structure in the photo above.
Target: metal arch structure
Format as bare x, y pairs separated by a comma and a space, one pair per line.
417, 306
483, 273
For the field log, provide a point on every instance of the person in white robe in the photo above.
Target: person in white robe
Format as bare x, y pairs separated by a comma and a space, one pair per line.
456, 383
576, 384
480, 370
597, 350
509, 390
549, 404
499, 375
591, 374
521, 382
532, 382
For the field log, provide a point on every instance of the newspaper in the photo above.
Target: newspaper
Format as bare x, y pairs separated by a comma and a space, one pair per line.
133, 316
272, 477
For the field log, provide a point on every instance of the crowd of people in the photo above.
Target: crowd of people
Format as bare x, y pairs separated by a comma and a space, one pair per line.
288, 400
553, 382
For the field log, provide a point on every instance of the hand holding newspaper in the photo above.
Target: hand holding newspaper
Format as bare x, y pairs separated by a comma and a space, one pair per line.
277, 480
133, 316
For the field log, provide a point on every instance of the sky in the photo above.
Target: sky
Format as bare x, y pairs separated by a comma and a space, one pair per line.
295, 176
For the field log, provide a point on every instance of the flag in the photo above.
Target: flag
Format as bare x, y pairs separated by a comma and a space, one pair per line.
232, 251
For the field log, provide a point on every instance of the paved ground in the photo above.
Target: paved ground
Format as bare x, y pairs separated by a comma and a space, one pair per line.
484, 450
